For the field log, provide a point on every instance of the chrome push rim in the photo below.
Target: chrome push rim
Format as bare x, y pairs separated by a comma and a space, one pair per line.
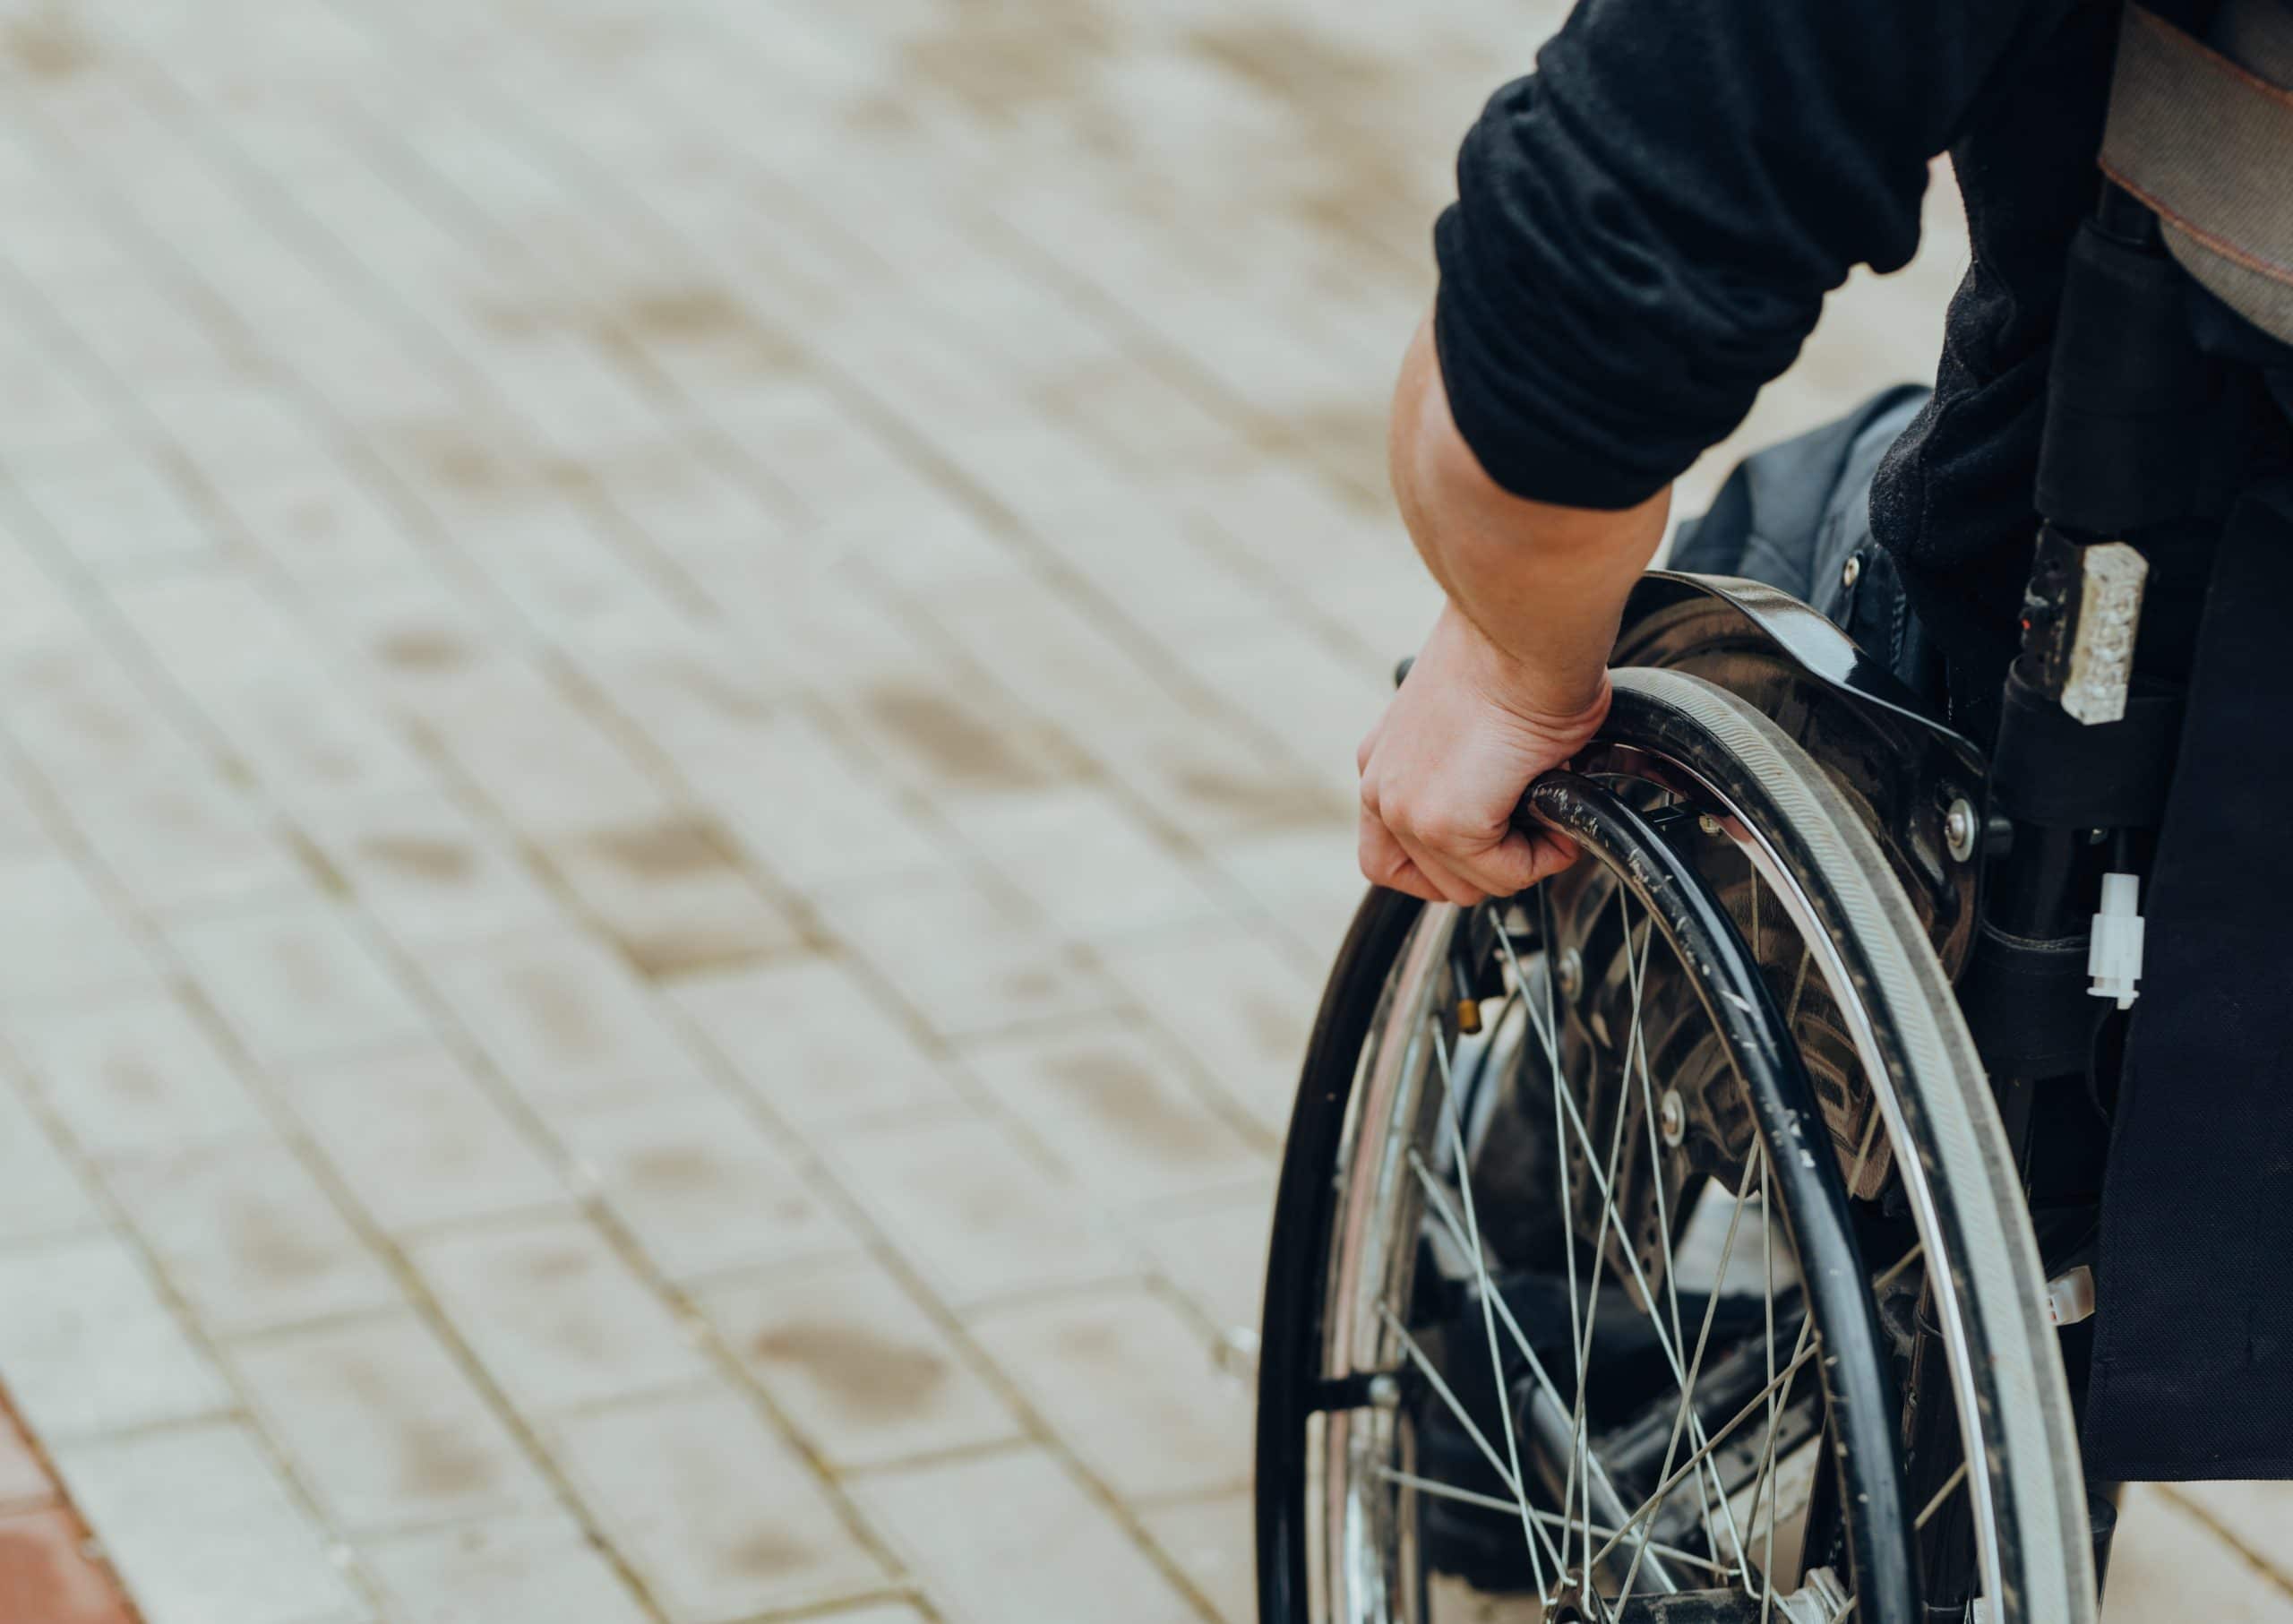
1404, 1174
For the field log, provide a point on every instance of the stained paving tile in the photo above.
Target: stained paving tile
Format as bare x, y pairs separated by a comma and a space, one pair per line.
720, 1517
556, 1317
1121, 1111
974, 1214
384, 1427
298, 982
864, 1374
419, 1141
431, 872
536, 1568
137, 1075
821, 1040
247, 1236
1179, 1427
703, 1187
567, 1023
1030, 1543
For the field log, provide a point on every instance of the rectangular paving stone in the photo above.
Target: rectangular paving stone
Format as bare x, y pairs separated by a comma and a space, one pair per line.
42, 1193
2166, 1563
701, 1186
384, 1427
821, 1040
2259, 1515
566, 1021
1305, 882
112, 510
203, 1529
534, 1567
1011, 1536
556, 1319
1115, 1107
1093, 866
265, 684
673, 895
188, 842
431, 872
974, 1216
861, 1371
1212, 1250
87, 720
547, 767
783, 783
298, 980
82, 948
1212, 1542
419, 1140
247, 1236
135, 1076
718, 1515
970, 959
88, 1347
1174, 1432
1235, 1003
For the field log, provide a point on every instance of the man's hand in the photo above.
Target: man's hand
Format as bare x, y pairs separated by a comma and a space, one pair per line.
1445, 766
1513, 680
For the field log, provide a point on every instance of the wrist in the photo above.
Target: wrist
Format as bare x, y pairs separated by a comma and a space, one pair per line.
1557, 696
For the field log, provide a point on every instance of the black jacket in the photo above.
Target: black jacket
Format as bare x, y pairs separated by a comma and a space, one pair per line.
1647, 226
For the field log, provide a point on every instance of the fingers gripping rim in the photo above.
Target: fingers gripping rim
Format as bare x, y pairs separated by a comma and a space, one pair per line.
1937, 1101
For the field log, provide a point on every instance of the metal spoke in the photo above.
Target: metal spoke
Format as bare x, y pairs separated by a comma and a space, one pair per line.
1469, 1497
1942, 1494
1632, 1258
1439, 1203
1765, 1480
1686, 1414
1488, 1289
1416, 1356
1648, 1506
1580, 1457
1649, 1116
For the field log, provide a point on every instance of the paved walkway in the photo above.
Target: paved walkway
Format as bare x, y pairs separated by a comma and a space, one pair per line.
679, 679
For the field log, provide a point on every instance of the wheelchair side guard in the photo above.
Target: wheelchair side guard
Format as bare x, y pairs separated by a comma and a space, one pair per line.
1917, 786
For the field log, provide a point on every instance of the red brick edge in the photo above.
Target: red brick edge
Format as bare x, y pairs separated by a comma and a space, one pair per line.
48, 1575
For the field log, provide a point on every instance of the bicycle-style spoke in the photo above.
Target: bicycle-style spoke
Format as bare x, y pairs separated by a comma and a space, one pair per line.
1438, 1202
1416, 1356
1489, 1502
1454, 1111
1566, 1108
1685, 1417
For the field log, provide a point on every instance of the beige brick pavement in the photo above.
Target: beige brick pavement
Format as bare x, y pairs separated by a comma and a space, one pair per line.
679, 679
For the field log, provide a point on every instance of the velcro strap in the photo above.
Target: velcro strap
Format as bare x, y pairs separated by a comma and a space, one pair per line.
2205, 140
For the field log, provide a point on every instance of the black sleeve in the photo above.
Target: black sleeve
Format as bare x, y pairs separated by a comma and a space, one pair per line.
1646, 226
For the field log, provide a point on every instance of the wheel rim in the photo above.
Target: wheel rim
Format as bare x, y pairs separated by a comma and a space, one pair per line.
1365, 1493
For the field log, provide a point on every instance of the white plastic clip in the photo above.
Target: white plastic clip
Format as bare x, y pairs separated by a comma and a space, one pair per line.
2114, 954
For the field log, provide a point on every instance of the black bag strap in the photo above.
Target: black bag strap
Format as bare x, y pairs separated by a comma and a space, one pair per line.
2202, 133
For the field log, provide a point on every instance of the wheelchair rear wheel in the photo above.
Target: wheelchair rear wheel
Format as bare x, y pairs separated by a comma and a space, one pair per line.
1648, 1247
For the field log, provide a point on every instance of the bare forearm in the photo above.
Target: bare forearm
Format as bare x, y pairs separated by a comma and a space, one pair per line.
1545, 584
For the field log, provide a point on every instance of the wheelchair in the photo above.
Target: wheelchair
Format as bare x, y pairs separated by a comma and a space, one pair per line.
1672, 1241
